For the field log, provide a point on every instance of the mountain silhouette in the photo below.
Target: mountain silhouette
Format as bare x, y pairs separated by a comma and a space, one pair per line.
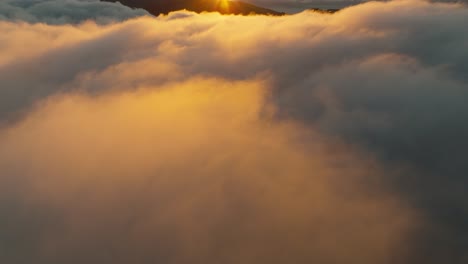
157, 7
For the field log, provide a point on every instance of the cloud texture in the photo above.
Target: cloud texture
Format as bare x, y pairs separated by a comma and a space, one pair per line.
65, 11
201, 138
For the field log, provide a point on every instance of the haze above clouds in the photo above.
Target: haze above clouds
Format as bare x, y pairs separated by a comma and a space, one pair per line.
295, 6
201, 138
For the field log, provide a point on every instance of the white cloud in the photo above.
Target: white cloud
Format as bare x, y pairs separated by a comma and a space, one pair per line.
65, 11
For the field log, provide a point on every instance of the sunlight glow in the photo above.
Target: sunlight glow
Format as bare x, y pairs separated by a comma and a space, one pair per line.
222, 5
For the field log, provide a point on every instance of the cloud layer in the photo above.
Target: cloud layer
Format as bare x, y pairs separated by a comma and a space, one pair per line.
195, 138
65, 11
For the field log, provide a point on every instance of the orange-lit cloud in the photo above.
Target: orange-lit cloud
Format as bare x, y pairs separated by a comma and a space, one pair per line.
198, 168
201, 138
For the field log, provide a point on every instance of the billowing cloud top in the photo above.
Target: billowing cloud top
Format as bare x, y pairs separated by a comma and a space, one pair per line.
202, 138
65, 11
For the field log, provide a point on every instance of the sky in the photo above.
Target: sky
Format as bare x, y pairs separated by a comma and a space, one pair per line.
208, 138
295, 6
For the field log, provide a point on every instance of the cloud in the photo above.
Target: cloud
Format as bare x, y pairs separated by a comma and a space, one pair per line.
191, 172
65, 11
206, 138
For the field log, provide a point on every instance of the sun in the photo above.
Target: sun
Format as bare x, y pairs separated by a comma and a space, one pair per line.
222, 5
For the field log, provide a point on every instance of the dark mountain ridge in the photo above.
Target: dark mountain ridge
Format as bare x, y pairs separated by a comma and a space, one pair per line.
157, 7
